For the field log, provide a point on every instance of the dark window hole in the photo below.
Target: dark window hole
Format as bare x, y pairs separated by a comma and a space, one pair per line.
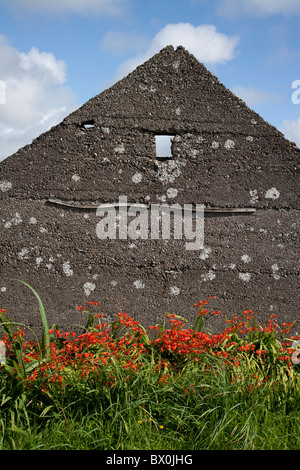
90, 124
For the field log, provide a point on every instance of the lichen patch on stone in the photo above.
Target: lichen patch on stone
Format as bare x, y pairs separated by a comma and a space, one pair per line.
88, 288
246, 258
254, 196
16, 220
245, 277
5, 186
205, 253
174, 290
139, 284
22, 254
67, 269
272, 193
137, 178
210, 276
170, 170
172, 192
229, 144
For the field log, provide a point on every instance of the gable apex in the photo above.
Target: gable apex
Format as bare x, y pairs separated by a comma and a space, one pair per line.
171, 86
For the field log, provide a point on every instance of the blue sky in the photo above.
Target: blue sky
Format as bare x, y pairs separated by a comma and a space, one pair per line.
57, 54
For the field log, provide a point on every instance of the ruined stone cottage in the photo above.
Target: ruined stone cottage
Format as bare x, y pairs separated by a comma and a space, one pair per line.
222, 155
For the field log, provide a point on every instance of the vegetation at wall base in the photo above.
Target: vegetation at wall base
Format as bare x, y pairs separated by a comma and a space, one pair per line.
118, 386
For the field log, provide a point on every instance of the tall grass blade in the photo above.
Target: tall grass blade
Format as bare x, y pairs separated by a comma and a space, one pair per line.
46, 337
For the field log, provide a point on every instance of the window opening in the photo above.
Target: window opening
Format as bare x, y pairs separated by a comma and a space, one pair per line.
164, 147
90, 124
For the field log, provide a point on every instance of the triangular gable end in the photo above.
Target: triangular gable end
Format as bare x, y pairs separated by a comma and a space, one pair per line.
223, 155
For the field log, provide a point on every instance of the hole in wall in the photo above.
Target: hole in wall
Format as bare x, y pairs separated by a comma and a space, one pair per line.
90, 124
164, 147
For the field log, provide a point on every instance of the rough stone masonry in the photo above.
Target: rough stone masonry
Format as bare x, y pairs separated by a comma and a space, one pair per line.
224, 156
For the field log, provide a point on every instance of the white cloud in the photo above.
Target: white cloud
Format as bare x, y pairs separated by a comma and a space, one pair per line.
253, 96
85, 7
259, 7
35, 97
204, 42
44, 64
291, 130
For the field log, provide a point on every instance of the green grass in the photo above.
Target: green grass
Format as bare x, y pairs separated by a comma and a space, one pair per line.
145, 414
184, 404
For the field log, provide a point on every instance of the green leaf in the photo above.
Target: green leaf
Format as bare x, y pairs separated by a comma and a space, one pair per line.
32, 365
4, 399
45, 411
44, 320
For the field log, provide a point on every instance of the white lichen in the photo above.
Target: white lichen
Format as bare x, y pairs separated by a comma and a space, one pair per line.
5, 186
174, 290
205, 252
245, 277
22, 254
150, 88
275, 269
88, 288
210, 276
16, 220
139, 284
193, 153
170, 170
229, 144
38, 261
67, 269
272, 193
120, 148
172, 192
137, 178
254, 196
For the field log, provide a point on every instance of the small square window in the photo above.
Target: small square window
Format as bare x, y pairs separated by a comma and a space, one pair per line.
163, 146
